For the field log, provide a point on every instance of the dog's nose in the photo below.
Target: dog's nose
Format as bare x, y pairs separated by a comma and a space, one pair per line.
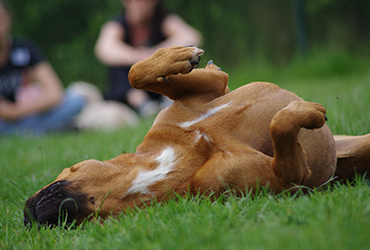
54, 205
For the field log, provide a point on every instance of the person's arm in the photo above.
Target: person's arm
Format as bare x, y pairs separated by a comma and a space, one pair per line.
178, 32
51, 94
111, 50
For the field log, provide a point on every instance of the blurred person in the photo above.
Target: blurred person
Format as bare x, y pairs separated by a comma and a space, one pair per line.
133, 36
32, 99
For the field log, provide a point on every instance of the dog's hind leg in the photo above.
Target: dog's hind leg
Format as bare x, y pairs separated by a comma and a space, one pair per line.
290, 161
240, 166
353, 154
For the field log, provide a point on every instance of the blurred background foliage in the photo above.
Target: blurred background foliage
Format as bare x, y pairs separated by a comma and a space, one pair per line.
239, 32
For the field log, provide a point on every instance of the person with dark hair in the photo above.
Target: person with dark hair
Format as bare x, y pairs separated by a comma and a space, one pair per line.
32, 99
133, 36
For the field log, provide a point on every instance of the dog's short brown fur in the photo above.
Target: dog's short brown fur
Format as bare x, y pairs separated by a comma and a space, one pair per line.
208, 140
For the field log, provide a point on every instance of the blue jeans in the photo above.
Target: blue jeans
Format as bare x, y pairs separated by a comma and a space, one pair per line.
56, 119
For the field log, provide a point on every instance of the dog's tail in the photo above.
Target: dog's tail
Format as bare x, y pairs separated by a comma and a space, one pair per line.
353, 153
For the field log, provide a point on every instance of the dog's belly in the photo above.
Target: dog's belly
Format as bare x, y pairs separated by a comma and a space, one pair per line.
241, 117
244, 116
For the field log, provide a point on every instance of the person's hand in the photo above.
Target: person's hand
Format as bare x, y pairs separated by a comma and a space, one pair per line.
9, 111
145, 52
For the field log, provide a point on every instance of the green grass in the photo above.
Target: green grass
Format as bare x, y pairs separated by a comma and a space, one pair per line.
336, 217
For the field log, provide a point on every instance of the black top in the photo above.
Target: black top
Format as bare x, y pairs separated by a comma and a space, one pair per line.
155, 37
13, 74
118, 76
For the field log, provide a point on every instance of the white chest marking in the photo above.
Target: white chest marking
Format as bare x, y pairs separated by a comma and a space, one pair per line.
145, 179
209, 113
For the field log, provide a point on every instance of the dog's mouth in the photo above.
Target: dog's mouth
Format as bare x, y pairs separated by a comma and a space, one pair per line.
55, 205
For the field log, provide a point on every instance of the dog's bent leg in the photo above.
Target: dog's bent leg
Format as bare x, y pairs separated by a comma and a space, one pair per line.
169, 71
353, 154
290, 161
242, 167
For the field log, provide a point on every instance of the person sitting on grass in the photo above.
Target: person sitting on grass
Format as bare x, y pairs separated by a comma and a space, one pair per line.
32, 99
133, 36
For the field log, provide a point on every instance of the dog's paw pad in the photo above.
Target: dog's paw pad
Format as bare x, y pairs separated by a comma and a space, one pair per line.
195, 58
197, 53
194, 63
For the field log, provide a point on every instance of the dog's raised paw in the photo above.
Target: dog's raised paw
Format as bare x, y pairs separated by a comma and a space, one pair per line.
173, 60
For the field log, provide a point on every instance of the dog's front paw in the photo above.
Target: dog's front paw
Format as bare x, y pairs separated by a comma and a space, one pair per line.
175, 60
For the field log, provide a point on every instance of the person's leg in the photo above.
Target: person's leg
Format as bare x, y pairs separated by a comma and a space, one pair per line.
6, 127
58, 118
61, 117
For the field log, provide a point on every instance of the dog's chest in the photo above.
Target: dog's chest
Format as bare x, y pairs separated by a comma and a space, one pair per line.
163, 164
183, 146
203, 117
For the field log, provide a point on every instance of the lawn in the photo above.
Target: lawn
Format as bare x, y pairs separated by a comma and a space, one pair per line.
334, 217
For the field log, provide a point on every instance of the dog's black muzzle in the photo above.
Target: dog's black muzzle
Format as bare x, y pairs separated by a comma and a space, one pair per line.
56, 205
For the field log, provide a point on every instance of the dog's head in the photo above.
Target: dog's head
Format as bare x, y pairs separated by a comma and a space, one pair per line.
80, 192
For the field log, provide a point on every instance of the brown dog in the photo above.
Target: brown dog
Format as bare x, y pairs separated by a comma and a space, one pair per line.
207, 141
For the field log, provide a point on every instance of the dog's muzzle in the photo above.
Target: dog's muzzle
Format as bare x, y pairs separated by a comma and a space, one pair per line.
56, 205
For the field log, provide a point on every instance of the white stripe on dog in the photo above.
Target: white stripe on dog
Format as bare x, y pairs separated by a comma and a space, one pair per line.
147, 178
210, 112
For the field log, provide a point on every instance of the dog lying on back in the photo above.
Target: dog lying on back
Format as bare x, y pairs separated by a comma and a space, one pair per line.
207, 141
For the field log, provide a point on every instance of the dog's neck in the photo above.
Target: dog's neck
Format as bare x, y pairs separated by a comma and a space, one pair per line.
140, 176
